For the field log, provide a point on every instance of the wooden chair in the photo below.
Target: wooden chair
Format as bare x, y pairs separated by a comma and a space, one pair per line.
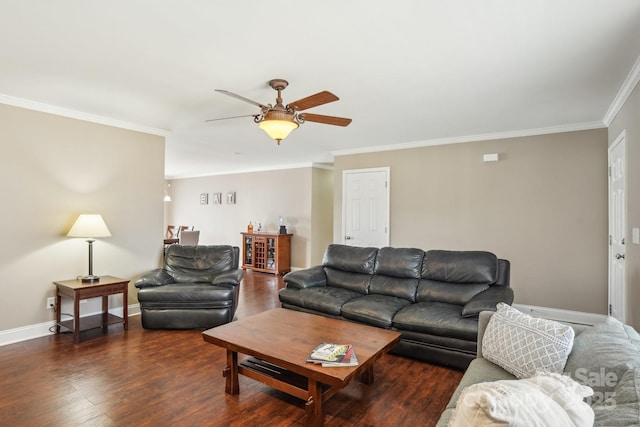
172, 232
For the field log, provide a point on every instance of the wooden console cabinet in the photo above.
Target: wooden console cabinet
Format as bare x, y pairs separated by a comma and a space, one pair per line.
266, 252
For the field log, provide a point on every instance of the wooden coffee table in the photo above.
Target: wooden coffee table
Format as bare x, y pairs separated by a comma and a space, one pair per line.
280, 340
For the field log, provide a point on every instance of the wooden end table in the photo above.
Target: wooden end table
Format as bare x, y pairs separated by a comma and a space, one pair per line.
79, 290
280, 341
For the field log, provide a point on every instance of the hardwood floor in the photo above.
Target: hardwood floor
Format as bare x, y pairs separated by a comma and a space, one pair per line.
160, 378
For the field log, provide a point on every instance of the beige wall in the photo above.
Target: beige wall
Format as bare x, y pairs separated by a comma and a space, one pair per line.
628, 119
543, 206
261, 197
54, 168
321, 213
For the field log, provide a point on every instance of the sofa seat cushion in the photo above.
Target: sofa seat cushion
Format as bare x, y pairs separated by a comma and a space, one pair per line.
187, 295
436, 318
328, 299
439, 341
376, 310
479, 370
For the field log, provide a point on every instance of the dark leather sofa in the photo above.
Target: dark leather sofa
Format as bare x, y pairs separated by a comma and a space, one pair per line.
197, 288
432, 297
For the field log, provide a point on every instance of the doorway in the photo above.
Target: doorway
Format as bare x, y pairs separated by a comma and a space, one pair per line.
365, 207
617, 227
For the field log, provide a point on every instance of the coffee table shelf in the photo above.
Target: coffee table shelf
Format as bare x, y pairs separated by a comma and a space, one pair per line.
279, 342
281, 375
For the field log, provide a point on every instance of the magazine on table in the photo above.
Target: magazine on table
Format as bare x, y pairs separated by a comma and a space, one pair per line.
333, 355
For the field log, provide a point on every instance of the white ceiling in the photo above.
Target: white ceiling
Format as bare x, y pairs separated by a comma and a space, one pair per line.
411, 72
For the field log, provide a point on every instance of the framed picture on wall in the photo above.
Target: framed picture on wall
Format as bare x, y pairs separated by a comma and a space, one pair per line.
204, 198
231, 197
217, 198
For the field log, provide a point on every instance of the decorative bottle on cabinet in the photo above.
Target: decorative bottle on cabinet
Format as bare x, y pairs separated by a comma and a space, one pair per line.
266, 252
250, 228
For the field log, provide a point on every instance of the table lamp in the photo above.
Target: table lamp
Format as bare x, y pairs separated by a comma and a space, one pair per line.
90, 226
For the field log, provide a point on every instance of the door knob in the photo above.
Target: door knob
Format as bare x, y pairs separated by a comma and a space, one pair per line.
619, 256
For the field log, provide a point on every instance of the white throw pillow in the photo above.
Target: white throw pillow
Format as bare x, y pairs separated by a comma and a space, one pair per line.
523, 345
543, 400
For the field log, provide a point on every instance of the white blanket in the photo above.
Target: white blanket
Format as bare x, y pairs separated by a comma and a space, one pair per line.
545, 399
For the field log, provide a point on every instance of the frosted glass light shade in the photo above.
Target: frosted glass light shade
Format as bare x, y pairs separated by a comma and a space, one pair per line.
89, 225
278, 129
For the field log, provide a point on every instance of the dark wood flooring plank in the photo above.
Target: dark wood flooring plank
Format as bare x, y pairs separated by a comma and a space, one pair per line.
161, 378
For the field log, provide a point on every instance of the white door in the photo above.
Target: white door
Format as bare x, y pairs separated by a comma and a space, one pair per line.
617, 228
365, 207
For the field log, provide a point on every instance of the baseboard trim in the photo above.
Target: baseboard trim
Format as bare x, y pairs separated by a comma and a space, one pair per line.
12, 336
561, 315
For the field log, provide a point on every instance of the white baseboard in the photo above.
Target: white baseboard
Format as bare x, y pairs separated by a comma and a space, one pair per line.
561, 315
11, 336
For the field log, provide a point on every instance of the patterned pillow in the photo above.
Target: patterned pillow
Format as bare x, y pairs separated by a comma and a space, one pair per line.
523, 345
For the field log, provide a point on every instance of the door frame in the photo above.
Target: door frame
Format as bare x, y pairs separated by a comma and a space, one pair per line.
387, 171
620, 139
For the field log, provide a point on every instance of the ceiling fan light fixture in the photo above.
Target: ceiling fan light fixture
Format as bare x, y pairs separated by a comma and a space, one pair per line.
279, 120
278, 129
278, 124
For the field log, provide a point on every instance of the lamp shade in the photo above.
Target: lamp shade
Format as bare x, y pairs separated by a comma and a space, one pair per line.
278, 129
89, 225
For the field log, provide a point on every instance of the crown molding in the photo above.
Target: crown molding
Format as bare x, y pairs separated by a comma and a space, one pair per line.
249, 170
474, 138
74, 114
625, 91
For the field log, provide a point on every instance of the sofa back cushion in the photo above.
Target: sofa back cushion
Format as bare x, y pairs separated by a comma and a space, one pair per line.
477, 267
455, 277
200, 263
397, 272
394, 287
399, 262
349, 267
345, 279
350, 258
451, 293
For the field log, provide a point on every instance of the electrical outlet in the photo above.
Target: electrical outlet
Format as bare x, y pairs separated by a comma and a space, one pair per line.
51, 303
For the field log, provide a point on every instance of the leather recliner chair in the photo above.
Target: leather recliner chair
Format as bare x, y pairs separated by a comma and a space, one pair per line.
197, 288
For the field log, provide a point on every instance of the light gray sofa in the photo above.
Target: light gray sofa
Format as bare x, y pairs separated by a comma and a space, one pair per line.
605, 357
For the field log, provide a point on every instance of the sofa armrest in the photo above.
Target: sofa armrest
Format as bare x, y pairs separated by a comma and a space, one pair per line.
483, 321
232, 277
157, 277
312, 277
487, 300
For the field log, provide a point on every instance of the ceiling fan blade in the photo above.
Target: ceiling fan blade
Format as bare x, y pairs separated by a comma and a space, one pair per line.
241, 98
327, 120
319, 98
232, 117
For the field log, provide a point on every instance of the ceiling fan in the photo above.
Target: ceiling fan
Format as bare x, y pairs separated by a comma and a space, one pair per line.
279, 120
